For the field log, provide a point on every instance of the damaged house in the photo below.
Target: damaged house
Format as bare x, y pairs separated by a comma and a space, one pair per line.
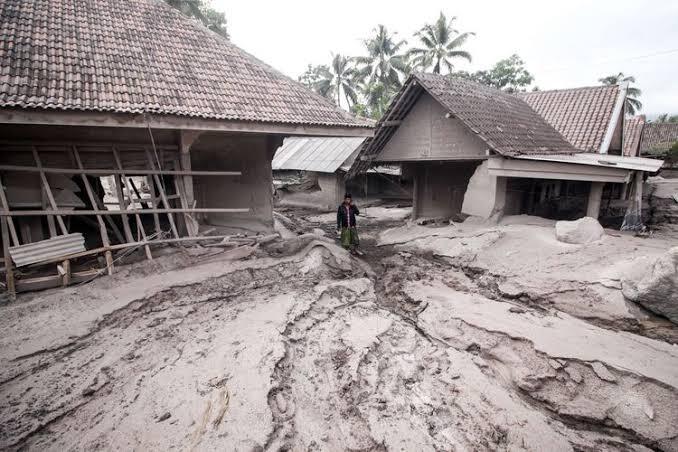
126, 124
312, 171
475, 150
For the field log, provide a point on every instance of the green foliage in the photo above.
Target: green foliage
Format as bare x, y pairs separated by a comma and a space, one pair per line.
203, 12
672, 154
440, 44
666, 118
508, 74
384, 62
633, 105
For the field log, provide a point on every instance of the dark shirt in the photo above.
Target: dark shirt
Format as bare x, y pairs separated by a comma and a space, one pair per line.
346, 216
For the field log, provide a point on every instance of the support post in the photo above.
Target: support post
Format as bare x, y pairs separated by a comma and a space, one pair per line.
10, 222
95, 205
186, 139
595, 198
9, 271
163, 196
140, 225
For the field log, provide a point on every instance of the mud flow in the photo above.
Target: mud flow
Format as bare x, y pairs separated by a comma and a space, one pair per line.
441, 337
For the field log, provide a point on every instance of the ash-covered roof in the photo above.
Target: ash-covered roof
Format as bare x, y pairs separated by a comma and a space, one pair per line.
658, 137
320, 154
505, 122
581, 115
136, 56
633, 128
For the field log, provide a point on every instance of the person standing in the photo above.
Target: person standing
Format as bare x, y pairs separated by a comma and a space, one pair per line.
346, 223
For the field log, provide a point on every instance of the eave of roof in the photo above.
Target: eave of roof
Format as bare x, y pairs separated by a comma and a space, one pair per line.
143, 57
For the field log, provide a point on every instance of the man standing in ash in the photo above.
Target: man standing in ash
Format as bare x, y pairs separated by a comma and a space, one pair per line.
346, 223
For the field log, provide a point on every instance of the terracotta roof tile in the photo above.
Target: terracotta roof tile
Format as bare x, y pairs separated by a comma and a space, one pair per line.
658, 136
633, 128
506, 123
135, 56
581, 115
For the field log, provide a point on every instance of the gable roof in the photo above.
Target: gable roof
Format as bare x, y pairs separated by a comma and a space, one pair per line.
658, 137
503, 121
633, 128
582, 115
136, 56
320, 154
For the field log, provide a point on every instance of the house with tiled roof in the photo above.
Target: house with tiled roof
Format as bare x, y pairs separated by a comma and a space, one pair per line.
633, 130
658, 137
476, 150
92, 92
590, 118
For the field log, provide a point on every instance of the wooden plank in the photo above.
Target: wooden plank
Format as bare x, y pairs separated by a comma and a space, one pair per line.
9, 271
48, 191
161, 189
93, 200
123, 209
10, 221
189, 221
109, 172
156, 198
140, 225
67, 212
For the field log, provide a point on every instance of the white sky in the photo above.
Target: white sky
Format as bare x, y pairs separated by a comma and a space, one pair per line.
565, 44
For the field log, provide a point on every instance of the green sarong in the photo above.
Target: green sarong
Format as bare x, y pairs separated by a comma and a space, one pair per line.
349, 237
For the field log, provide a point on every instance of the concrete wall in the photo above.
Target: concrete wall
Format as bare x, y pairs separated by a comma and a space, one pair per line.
439, 187
427, 134
249, 153
327, 193
483, 193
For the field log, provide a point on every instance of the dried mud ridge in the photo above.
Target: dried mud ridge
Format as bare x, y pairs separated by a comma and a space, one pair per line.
359, 371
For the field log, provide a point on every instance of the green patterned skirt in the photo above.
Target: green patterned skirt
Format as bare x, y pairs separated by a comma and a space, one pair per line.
349, 237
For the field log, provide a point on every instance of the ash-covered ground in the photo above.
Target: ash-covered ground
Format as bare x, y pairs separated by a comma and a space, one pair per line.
456, 337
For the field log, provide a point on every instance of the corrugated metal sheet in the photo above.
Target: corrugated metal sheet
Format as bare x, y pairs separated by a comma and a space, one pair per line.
44, 250
320, 154
606, 160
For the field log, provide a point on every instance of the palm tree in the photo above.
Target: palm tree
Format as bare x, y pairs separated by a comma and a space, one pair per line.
339, 79
383, 63
441, 44
632, 94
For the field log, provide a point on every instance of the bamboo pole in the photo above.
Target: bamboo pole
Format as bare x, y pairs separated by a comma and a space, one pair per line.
102, 226
161, 189
140, 225
10, 221
9, 271
109, 172
48, 191
70, 212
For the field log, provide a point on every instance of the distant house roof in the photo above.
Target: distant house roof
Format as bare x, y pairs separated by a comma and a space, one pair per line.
658, 137
582, 115
503, 121
137, 56
633, 128
320, 154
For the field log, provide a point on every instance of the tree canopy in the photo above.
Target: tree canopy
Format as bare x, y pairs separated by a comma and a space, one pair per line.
508, 74
203, 12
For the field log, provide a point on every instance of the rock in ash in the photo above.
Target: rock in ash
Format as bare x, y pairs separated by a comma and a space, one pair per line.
583, 230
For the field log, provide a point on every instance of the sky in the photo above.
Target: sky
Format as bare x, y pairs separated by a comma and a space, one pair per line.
564, 44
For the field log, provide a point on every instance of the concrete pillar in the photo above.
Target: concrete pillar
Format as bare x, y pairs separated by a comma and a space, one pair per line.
595, 197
